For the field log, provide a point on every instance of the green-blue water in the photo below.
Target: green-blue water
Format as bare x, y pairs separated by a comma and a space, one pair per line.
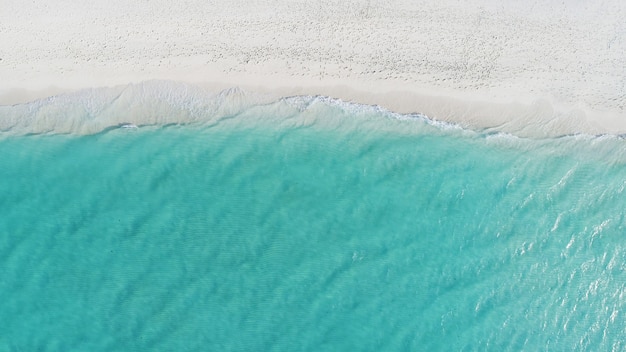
344, 232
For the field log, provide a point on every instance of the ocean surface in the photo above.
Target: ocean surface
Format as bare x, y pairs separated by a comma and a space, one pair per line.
158, 218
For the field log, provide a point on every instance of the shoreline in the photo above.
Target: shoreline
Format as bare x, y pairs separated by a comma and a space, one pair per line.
535, 118
547, 70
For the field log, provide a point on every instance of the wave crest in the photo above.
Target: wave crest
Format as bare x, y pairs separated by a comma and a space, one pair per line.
159, 103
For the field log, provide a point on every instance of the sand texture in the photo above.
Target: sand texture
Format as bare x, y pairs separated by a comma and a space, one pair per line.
535, 67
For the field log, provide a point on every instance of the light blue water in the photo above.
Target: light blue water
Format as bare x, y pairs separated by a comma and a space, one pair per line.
322, 229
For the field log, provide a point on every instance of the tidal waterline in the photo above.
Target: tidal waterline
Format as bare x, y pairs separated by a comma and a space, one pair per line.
323, 228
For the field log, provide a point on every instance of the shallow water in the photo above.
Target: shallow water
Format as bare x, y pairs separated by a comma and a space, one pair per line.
309, 224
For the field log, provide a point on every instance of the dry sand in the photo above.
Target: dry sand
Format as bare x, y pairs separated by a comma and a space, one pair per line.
527, 67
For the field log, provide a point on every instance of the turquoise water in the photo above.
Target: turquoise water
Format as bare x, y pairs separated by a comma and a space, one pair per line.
316, 227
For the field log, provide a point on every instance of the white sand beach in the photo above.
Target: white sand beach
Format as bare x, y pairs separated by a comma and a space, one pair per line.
535, 67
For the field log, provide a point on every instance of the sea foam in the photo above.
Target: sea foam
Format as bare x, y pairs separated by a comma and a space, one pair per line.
153, 103
163, 103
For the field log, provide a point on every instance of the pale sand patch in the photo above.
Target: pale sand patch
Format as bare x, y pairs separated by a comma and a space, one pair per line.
533, 68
